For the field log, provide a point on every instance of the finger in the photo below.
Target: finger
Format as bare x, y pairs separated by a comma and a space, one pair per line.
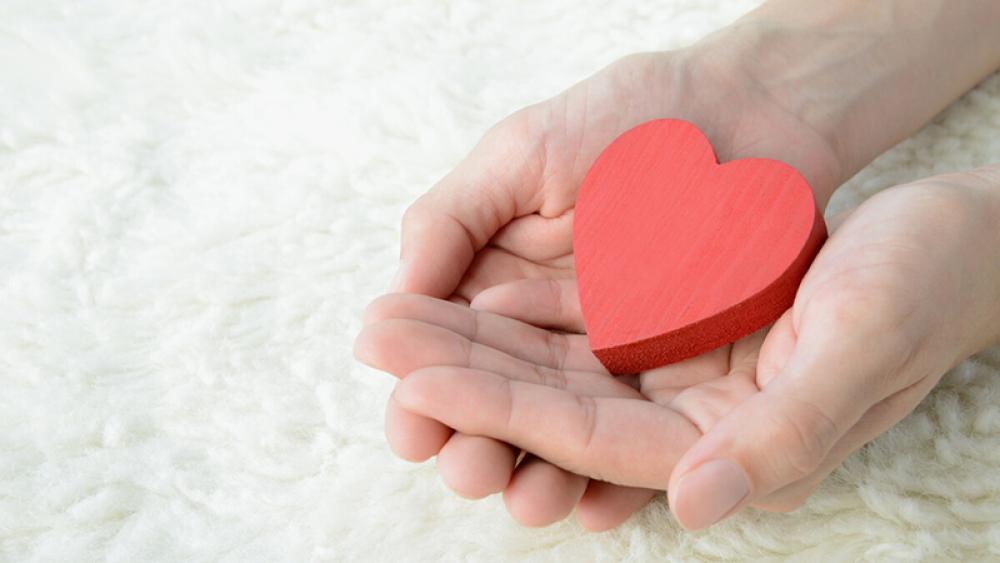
540, 493
605, 505
536, 237
472, 466
881, 417
495, 266
834, 222
783, 433
517, 339
777, 347
401, 346
625, 441
476, 466
413, 437
552, 303
444, 228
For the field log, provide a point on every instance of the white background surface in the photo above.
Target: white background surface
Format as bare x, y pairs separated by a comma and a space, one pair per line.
198, 198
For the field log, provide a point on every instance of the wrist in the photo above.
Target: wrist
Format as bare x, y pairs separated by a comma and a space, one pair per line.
968, 202
991, 177
715, 76
861, 74
984, 184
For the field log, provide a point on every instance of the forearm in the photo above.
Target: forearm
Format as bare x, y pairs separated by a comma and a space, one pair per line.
865, 74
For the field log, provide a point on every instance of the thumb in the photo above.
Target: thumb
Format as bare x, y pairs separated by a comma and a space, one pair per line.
782, 433
445, 227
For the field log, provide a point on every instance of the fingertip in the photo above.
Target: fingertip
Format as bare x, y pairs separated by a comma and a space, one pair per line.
378, 345
605, 506
508, 298
597, 523
399, 279
436, 248
485, 299
363, 348
420, 389
378, 309
710, 492
593, 523
541, 494
400, 345
475, 467
413, 437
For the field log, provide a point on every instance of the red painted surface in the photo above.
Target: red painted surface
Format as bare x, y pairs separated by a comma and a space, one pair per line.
676, 254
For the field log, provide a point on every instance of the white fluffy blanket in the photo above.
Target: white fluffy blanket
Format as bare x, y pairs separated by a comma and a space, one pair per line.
198, 198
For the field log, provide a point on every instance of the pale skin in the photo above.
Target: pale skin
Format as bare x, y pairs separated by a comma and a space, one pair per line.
484, 330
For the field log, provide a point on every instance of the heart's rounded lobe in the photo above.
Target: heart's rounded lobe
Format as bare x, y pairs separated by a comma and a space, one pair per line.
676, 254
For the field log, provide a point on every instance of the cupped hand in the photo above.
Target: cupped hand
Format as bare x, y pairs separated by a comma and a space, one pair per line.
905, 288
505, 214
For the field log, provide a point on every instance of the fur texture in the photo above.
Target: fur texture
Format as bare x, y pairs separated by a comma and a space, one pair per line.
198, 198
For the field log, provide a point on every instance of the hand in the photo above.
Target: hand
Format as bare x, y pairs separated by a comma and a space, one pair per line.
406, 332
905, 288
505, 213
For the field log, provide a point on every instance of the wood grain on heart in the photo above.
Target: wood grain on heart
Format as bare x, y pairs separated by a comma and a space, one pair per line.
676, 254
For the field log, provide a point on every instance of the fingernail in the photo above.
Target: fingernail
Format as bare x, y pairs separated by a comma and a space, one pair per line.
710, 492
397, 280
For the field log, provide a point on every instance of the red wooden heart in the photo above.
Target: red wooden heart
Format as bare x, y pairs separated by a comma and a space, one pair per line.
676, 254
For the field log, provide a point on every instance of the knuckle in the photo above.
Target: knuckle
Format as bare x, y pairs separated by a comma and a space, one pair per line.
852, 320
558, 348
842, 305
507, 392
383, 307
515, 124
415, 215
555, 298
466, 351
588, 414
806, 434
475, 326
513, 130
549, 377
415, 392
855, 302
